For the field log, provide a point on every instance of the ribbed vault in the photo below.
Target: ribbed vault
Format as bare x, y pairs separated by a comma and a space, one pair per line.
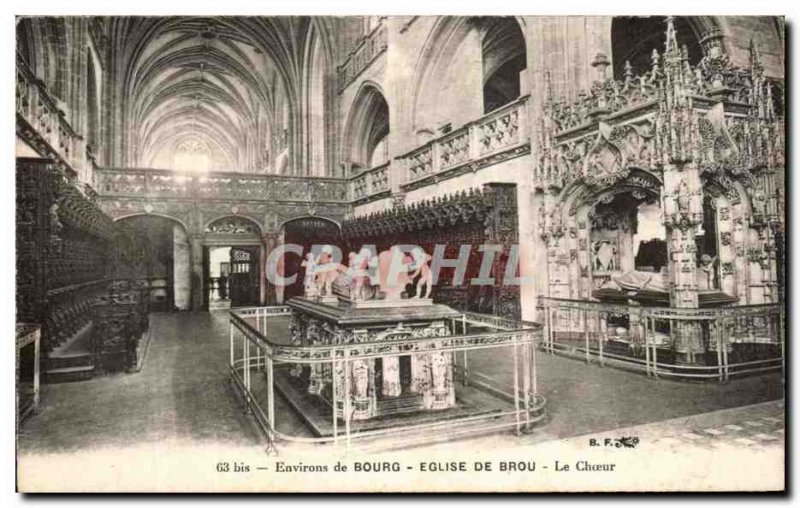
228, 88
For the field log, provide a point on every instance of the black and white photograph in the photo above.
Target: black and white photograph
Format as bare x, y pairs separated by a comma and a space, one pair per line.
400, 253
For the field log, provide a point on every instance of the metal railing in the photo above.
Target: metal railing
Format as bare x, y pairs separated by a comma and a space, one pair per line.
260, 352
713, 343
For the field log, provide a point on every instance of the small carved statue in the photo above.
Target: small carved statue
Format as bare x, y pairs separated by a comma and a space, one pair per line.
360, 380
391, 376
759, 203
309, 281
55, 223
422, 259
358, 272
325, 271
683, 198
707, 274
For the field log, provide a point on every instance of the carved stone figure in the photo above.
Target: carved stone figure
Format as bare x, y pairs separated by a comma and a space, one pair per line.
391, 376
424, 272
309, 281
394, 273
759, 203
326, 271
440, 365
683, 198
706, 274
361, 403
358, 274
604, 255
55, 223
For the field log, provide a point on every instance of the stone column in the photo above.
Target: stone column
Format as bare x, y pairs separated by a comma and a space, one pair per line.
269, 241
196, 242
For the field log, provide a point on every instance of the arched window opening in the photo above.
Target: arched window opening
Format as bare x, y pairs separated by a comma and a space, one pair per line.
707, 248
367, 132
192, 156
380, 154
633, 39
24, 42
650, 239
504, 59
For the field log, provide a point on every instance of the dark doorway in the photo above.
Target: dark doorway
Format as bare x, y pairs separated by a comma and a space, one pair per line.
243, 283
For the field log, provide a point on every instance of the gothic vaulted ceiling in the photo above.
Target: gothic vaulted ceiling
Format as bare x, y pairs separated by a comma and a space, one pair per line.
224, 88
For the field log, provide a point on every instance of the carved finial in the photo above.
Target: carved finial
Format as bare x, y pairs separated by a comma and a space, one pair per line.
655, 59
548, 87
628, 73
770, 103
671, 43
601, 63
755, 59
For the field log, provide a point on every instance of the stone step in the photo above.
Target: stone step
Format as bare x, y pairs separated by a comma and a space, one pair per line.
400, 404
69, 374
67, 360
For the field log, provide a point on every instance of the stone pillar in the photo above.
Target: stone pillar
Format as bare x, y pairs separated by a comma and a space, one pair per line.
197, 271
683, 213
269, 241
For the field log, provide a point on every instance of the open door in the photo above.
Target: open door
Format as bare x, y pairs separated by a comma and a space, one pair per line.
244, 287
206, 276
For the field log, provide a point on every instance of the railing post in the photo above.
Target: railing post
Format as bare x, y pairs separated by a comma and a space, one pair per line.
655, 349
718, 340
334, 395
232, 345
647, 324
586, 333
246, 347
516, 383
465, 371
782, 337
37, 346
526, 378
600, 338
725, 352
346, 395
270, 393
534, 384
547, 346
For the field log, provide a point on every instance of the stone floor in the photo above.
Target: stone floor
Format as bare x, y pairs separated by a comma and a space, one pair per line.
182, 395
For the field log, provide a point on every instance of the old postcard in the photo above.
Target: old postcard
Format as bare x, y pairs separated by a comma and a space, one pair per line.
404, 253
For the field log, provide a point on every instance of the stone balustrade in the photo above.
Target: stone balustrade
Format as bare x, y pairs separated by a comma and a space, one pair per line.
42, 123
499, 135
372, 45
156, 183
369, 183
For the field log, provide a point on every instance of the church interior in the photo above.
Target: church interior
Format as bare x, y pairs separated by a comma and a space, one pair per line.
184, 183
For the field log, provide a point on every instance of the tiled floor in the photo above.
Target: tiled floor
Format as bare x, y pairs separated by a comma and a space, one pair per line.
182, 394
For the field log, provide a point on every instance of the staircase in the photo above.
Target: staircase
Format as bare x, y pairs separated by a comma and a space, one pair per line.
404, 403
72, 360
